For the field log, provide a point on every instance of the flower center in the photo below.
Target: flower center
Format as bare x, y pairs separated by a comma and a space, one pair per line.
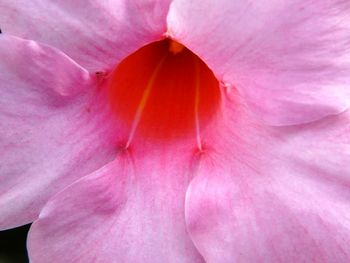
164, 91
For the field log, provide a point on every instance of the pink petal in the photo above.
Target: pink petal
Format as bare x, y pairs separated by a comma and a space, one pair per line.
272, 194
290, 59
131, 210
96, 34
48, 137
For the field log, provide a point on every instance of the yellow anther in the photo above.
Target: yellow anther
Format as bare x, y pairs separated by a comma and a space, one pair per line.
175, 47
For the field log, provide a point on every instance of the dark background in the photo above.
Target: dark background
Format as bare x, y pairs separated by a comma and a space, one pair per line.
13, 245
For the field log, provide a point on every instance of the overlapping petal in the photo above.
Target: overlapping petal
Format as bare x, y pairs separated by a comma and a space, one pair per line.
53, 127
131, 210
96, 34
290, 59
273, 194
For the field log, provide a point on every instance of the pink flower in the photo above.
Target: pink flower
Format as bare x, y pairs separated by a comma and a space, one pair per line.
259, 174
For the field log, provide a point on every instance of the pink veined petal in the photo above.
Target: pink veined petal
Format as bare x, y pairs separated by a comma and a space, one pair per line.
52, 128
131, 210
96, 34
290, 59
272, 194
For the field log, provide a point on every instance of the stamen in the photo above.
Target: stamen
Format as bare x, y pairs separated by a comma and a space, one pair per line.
144, 99
196, 106
175, 47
